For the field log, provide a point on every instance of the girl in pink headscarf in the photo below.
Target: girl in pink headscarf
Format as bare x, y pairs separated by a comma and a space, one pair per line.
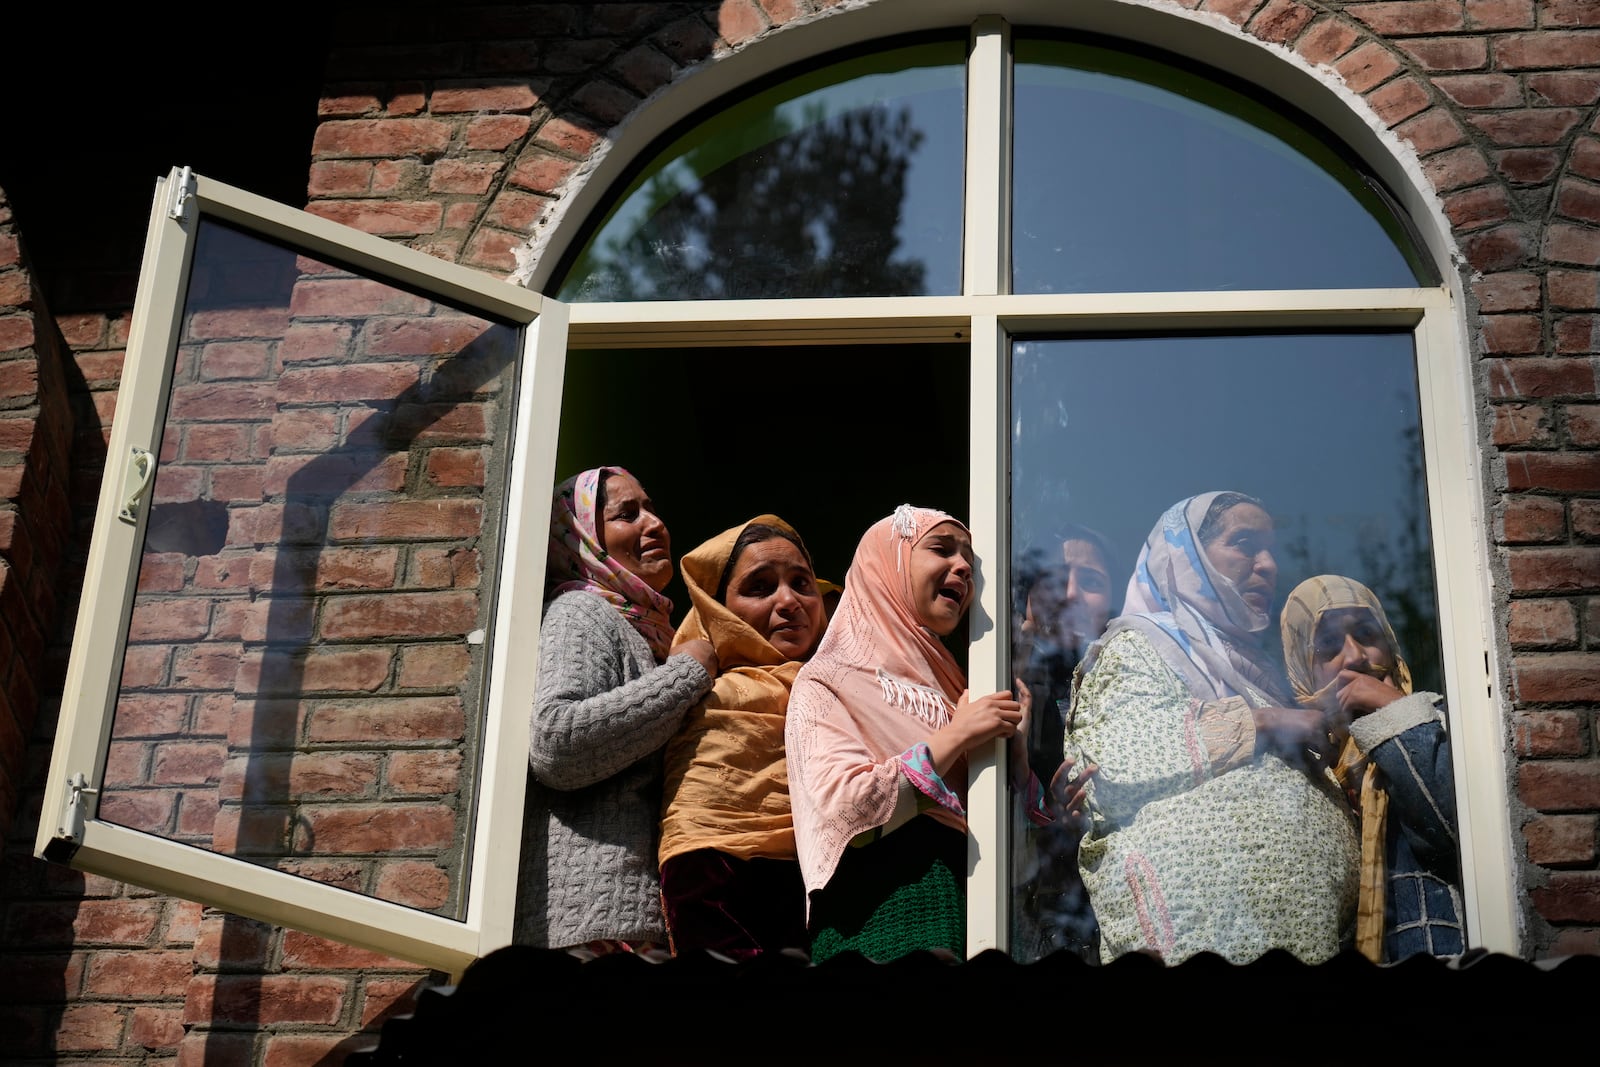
880, 724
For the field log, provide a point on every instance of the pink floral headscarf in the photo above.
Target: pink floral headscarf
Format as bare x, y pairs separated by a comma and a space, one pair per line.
578, 560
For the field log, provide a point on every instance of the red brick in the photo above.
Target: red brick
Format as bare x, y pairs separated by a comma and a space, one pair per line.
340, 178
155, 1028
463, 99
315, 341
144, 809
1569, 13
1579, 200
1559, 678
424, 773
1557, 570
456, 467
460, 176
1399, 100
1585, 159
212, 1048
1539, 378
516, 211
407, 520
83, 923
1561, 840
235, 359
1368, 66
1507, 292
388, 720
335, 473
306, 776
1410, 17
1326, 41
384, 219
1447, 53
185, 619
1551, 51
1513, 335
194, 763
362, 830
1533, 519
146, 973
320, 671
1500, 14
433, 666
1569, 896
413, 883
1528, 166
1556, 472
1574, 289
89, 1028
1577, 335
565, 135
541, 172
257, 1000
389, 996
381, 138
1529, 126
302, 951
1574, 941
1543, 624
325, 569
434, 568
1481, 90
1583, 425
494, 251
1499, 249
644, 69
1566, 243
496, 133
1547, 734
604, 102
233, 942
1591, 617
306, 1050
1566, 88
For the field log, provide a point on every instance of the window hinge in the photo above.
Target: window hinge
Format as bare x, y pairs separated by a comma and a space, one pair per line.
182, 192
75, 808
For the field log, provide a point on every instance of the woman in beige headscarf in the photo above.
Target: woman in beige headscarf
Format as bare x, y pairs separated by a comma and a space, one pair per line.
1342, 657
880, 724
730, 881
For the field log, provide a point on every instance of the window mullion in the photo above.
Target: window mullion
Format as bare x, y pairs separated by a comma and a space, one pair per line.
986, 229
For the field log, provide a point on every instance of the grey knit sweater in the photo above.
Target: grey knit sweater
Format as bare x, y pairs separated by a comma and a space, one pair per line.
602, 711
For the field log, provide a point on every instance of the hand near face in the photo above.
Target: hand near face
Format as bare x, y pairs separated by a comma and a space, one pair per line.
1292, 731
703, 651
1361, 694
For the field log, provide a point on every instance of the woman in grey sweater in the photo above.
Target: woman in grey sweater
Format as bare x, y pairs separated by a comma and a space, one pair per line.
609, 696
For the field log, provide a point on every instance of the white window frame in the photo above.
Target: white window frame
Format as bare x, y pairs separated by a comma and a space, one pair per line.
984, 314
69, 825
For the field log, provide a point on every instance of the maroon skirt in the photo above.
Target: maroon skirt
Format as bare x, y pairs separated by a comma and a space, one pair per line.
740, 908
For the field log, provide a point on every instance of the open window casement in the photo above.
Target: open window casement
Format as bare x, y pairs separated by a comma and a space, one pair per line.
295, 690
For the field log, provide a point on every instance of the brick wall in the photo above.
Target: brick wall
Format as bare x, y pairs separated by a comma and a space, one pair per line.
460, 132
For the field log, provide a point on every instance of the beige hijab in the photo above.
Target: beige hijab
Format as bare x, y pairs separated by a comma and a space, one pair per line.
726, 784
878, 684
1305, 607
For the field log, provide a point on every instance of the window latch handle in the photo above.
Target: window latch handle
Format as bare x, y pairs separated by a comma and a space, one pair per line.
136, 479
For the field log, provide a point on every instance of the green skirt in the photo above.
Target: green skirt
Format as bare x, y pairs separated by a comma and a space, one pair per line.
904, 892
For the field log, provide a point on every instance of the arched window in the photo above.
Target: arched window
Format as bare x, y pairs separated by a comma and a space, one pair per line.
1046, 281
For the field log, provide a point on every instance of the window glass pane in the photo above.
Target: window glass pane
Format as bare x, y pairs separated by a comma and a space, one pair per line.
842, 182
1215, 823
1132, 176
305, 656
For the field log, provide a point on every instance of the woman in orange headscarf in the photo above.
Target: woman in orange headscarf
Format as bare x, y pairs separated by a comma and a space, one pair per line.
730, 881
